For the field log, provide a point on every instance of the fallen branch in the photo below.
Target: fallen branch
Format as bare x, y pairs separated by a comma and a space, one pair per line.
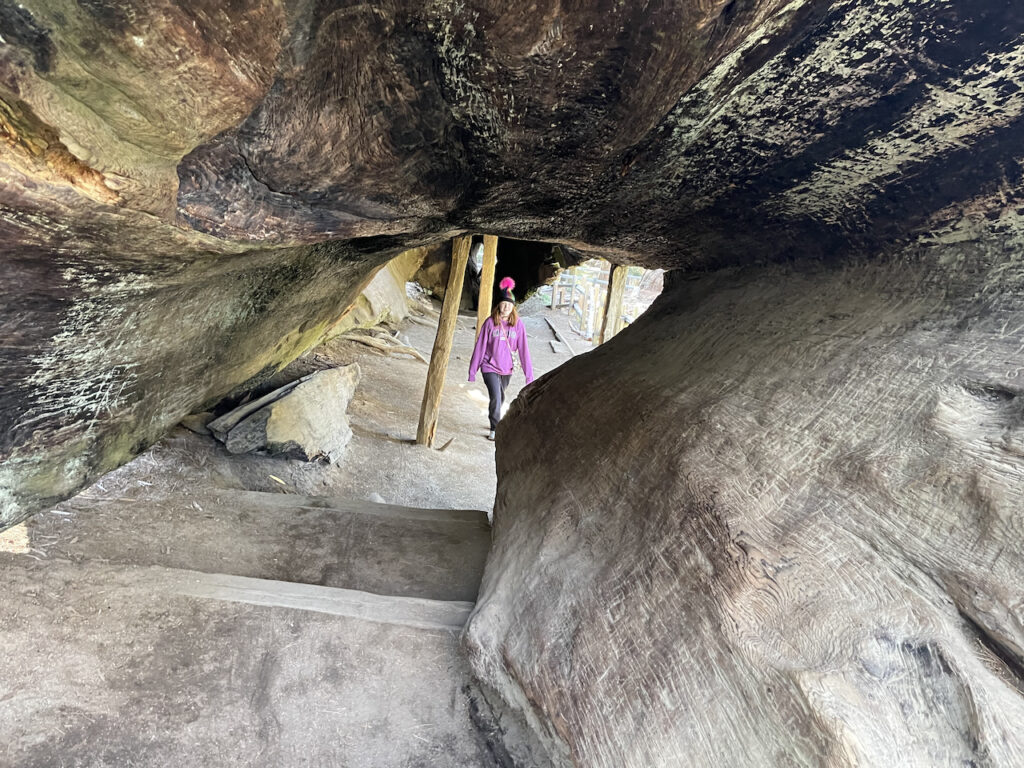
561, 338
388, 348
220, 427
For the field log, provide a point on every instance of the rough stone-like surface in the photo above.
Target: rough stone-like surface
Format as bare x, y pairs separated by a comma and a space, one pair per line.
308, 422
384, 298
129, 353
196, 422
790, 537
785, 528
190, 193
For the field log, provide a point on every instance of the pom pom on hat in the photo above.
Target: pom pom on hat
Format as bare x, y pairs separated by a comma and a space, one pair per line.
505, 293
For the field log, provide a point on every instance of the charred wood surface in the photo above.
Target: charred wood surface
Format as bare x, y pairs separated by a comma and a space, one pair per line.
781, 521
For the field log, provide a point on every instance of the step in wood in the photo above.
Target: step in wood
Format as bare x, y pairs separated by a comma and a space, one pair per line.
379, 548
108, 665
388, 609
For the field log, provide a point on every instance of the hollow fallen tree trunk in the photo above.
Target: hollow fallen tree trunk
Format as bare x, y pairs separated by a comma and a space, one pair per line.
787, 534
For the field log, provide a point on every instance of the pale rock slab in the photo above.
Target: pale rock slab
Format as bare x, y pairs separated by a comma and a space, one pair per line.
309, 422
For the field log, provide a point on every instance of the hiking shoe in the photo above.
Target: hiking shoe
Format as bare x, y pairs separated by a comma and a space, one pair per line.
490, 435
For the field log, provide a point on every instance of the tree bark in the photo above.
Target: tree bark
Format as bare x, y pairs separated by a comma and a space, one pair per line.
427, 429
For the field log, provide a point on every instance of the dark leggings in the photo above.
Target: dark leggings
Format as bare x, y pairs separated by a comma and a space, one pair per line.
495, 384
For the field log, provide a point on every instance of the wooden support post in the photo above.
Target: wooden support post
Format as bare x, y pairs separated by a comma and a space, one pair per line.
427, 429
483, 306
613, 305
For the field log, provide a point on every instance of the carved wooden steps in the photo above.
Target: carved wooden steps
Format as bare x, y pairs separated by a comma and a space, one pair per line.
124, 643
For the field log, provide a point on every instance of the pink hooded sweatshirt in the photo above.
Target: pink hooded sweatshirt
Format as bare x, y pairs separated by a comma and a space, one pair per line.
493, 350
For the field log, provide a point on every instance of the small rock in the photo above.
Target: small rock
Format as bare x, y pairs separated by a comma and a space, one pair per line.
307, 423
376, 498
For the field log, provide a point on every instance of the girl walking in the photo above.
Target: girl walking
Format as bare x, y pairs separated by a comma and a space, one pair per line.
501, 334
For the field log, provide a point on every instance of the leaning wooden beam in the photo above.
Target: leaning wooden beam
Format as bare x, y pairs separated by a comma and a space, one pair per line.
483, 307
443, 343
613, 305
560, 337
220, 427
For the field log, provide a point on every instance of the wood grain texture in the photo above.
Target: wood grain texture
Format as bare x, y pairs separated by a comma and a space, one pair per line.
483, 309
161, 159
788, 533
612, 315
781, 523
426, 431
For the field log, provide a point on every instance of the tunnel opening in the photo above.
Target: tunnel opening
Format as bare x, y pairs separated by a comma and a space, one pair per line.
170, 509
775, 521
530, 264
